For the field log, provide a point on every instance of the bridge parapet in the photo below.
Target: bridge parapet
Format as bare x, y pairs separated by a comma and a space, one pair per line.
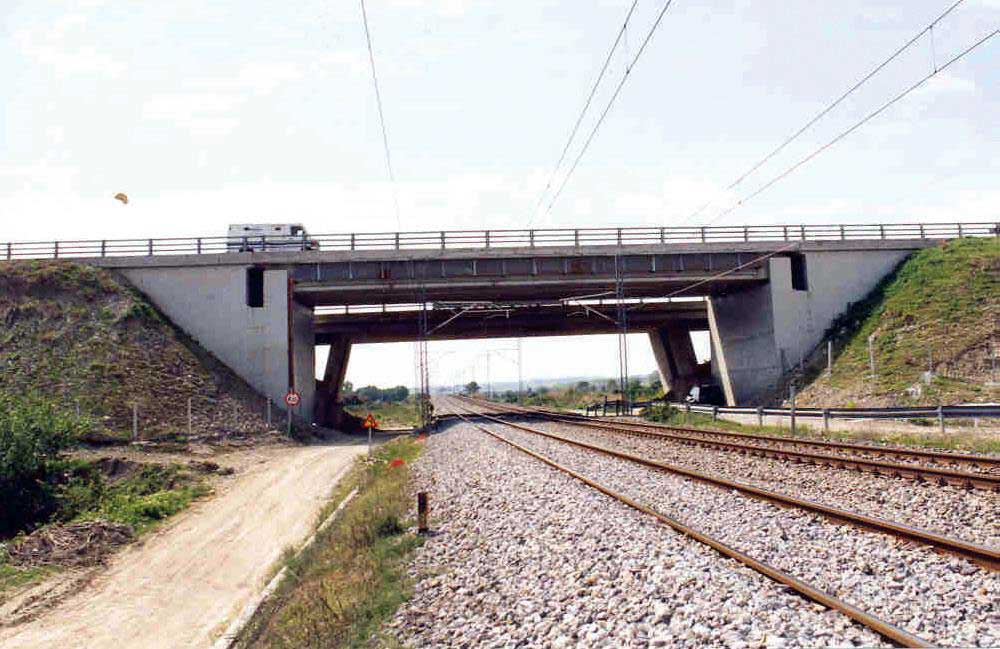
438, 240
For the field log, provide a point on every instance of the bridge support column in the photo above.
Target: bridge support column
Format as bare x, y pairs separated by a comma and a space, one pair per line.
675, 359
328, 410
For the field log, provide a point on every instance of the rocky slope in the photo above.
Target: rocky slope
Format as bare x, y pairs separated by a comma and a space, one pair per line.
84, 337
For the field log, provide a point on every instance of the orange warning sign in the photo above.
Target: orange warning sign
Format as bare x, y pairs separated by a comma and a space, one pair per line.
370, 421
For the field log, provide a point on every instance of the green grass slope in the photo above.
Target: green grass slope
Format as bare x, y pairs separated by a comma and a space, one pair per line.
84, 338
940, 310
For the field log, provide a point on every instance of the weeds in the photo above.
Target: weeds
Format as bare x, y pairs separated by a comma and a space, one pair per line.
338, 593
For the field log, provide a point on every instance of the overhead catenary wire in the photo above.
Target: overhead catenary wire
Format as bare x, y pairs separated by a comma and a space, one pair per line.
607, 108
586, 106
929, 29
381, 116
840, 136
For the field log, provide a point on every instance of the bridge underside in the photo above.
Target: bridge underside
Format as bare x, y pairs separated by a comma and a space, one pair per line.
471, 321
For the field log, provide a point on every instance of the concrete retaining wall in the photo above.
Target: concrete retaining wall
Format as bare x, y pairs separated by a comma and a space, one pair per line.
209, 304
760, 333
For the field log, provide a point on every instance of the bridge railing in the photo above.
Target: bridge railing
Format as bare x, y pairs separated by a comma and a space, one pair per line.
502, 238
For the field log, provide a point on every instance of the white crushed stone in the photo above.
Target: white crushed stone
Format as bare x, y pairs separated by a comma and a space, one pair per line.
942, 598
969, 514
522, 555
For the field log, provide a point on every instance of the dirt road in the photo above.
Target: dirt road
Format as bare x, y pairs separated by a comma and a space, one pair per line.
183, 585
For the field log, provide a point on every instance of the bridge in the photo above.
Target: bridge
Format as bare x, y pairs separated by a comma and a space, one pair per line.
766, 294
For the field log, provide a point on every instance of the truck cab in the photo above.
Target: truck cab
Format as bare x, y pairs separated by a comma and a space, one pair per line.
262, 237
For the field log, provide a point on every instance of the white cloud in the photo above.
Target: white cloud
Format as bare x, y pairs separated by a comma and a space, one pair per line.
63, 46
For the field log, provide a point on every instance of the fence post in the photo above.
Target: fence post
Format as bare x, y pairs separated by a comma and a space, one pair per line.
487, 235
791, 388
703, 234
842, 236
423, 509
443, 244
746, 233
189, 418
826, 421
352, 241
269, 412
619, 236
150, 247
940, 414
576, 238
55, 251
197, 244
760, 416
663, 234
960, 231
922, 231
881, 231
829, 357
9, 251
135, 422
715, 413
104, 247
687, 413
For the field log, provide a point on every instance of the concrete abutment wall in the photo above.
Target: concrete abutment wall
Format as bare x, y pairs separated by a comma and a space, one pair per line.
210, 304
760, 333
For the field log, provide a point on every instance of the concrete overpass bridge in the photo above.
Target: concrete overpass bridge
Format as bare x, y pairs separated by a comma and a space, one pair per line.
766, 294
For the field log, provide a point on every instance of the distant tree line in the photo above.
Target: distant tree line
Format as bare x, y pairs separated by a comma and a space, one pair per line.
371, 393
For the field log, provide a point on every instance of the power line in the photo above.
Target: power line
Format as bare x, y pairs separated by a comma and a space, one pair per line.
836, 102
855, 127
586, 106
381, 116
618, 89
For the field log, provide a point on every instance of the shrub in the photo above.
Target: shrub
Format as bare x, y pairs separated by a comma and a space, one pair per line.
32, 434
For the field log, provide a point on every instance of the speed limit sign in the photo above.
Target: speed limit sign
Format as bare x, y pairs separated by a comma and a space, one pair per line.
292, 399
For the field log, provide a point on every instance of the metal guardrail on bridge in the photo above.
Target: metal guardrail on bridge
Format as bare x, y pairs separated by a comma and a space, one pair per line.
485, 239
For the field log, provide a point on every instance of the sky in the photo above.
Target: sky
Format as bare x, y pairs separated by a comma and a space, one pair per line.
207, 114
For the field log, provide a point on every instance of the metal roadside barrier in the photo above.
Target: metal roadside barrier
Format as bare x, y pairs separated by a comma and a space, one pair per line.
899, 412
503, 238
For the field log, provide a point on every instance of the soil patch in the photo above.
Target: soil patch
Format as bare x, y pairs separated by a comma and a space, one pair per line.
83, 544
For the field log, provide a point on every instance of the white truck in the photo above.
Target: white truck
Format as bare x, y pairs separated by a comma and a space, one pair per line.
262, 237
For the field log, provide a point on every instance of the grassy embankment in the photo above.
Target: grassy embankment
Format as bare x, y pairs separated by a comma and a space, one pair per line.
338, 592
939, 309
41, 486
395, 414
964, 440
85, 337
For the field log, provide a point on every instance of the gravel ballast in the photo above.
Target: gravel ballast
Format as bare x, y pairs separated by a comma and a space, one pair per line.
969, 514
942, 598
524, 555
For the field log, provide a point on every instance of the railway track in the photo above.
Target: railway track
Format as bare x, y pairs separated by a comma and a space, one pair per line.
883, 627
842, 457
985, 556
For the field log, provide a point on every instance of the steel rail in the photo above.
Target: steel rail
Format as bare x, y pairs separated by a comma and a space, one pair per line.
981, 480
982, 555
878, 625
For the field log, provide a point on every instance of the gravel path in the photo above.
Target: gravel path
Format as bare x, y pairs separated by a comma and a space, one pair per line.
945, 599
969, 514
523, 555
